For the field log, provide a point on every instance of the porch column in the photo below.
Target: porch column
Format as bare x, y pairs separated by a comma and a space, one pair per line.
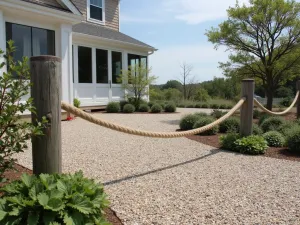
125, 68
2, 40
67, 62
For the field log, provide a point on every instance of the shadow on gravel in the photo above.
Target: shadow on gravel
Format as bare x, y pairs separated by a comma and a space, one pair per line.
172, 122
212, 152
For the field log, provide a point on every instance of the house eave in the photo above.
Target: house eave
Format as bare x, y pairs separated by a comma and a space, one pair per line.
70, 6
41, 10
127, 44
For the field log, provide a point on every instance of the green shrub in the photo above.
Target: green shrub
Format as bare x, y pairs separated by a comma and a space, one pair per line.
256, 114
286, 102
205, 121
252, 145
205, 106
122, 104
53, 199
272, 123
293, 140
285, 128
156, 108
228, 141
217, 113
128, 108
150, 104
263, 117
223, 106
229, 106
274, 139
113, 107
171, 107
198, 105
76, 102
214, 106
231, 124
162, 105
187, 122
181, 105
256, 130
144, 108
190, 106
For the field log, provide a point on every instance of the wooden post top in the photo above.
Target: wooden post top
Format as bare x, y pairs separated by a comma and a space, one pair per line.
298, 85
45, 58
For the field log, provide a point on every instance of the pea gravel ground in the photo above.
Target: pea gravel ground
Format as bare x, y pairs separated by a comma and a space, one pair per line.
179, 181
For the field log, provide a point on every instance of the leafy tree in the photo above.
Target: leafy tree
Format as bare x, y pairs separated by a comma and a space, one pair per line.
172, 84
156, 94
172, 94
137, 80
264, 41
14, 133
201, 95
284, 92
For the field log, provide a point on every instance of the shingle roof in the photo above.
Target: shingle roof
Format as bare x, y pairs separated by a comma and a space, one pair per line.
48, 4
103, 32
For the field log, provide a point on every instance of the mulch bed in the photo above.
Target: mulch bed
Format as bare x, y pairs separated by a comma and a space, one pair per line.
272, 152
16, 174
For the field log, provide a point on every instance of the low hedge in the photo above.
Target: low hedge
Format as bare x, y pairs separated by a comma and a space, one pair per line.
272, 123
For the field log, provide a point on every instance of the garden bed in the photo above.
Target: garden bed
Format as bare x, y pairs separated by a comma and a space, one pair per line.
12, 175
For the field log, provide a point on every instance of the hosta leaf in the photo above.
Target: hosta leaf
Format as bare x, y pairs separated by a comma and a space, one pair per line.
35, 191
44, 179
81, 204
56, 194
33, 218
2, 215
43, 199
27, 179
62, 186
55, 204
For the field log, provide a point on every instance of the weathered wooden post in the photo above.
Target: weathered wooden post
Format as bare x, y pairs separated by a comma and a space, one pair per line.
46, 94
247, 108
298, 101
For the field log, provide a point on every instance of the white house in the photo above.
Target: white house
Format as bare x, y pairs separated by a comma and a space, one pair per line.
84, 33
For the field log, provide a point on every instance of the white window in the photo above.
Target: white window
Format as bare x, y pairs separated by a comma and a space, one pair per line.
96, 11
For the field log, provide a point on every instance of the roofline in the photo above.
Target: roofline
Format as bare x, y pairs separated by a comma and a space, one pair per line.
70, 5
46, 11
115, 41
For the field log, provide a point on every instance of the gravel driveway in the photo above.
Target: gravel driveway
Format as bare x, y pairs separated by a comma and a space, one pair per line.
179, 181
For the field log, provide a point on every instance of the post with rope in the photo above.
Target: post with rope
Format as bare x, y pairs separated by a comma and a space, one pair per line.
247, 107
298, 100
46, 94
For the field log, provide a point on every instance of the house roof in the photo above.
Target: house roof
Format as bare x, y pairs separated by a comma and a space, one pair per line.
106, 33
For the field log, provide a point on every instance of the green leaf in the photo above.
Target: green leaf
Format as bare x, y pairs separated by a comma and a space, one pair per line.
33, 218
27, 179
55, 204
43, 199
81, 204
74, 218
2, 215
14, 212
56, 194
15, 199
62, 186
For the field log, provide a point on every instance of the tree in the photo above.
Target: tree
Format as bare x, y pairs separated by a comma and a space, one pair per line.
284, 92
172, 84
201, 95
186, 79
14, 133
172, 94
263, 39
137, 80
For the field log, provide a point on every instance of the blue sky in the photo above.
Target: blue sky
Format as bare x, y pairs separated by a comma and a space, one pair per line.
177, 29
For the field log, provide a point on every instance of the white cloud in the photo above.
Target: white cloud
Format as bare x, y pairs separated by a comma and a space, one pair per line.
199, 11
131, 19
165, 63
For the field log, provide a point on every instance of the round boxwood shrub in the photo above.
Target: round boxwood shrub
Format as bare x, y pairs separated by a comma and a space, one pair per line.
144, 108
217, 113
272, 123
53, 199
229, 106
128, 108
156, 108
113, 107
205, 106
231, 124
223, 106
293, 140
200, 114
122, 104
263, 117
228, 141
170, 107
187, 122
274, 139
256, 130
198, 105
214, 106
252, 145
202, 121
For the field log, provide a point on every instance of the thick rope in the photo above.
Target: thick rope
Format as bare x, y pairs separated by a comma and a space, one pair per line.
277, 113
80, 113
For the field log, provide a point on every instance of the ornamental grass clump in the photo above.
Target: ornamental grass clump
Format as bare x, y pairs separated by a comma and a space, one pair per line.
272, 123
128, 108
230, 125
156, 108
252, 145
53, 199
113, 107
274, 139
203, 121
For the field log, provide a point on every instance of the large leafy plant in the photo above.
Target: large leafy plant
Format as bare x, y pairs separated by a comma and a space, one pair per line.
53, 199
14, 84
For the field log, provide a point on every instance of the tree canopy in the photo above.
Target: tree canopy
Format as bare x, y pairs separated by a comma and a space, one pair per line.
263, 39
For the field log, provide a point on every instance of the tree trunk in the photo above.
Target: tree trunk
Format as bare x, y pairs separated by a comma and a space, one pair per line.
270, 96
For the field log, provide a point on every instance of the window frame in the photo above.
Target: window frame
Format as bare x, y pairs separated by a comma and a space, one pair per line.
88, 10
